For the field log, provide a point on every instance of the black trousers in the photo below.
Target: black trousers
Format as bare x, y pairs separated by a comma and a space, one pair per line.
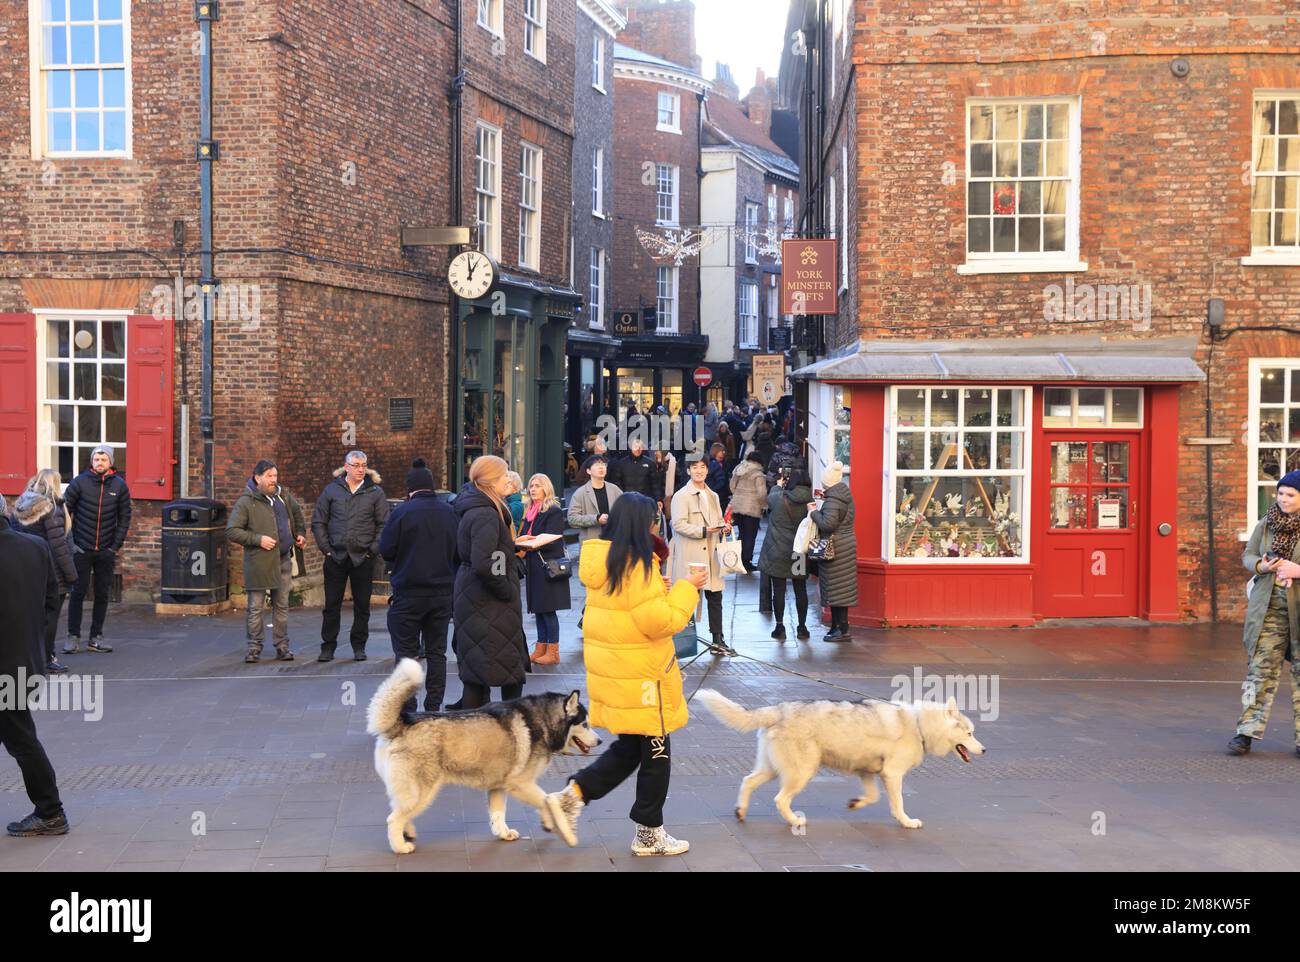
412, 617
52, 627
615, 766
800, 598
714, 598
338, 574
840, 618
18, 735
476, 696
748, 535
98, 565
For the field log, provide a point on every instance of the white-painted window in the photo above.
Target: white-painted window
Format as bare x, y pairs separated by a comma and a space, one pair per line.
1022, 163
771, 212
597, 296
748, 315
489, 15
670, 112
788, 214
530, 205
1092, 407
535, 29
666, 279
667, 178
844, 218
958, 474
830, 210
82, 387
81, 78
487, 189
1273, 434
598, 181
598, 62
1275, 172
751, 233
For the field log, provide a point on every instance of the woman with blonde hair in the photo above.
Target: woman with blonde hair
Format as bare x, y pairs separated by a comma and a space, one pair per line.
548, 590
515, 499
491, 651
40, 511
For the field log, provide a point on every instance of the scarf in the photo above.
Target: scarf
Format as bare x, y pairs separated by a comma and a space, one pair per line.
1286, 530
534, 509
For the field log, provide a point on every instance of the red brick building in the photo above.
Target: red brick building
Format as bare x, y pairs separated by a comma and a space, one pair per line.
334, 134
1066, 367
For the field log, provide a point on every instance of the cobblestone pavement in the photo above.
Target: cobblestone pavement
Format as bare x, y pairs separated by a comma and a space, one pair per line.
1106, 753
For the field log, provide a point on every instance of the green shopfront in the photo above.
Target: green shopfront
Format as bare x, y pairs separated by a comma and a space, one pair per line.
512, 381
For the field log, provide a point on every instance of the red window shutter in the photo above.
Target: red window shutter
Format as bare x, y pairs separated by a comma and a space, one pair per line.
149, 407
17, 401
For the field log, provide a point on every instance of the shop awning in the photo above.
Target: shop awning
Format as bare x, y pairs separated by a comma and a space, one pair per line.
1026, 359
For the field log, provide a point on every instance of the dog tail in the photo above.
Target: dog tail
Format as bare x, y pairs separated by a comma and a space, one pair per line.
384, 716
735, 716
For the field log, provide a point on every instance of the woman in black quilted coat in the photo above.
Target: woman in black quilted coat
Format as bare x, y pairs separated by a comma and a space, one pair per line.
837, 578
490, 648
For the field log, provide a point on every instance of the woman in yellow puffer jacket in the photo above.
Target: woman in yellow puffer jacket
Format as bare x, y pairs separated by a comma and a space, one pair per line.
633, 681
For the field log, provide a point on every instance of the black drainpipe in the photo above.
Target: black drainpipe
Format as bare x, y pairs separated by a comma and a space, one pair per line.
455, 424
205, 12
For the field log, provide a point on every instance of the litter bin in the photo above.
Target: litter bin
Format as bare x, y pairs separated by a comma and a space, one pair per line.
194, 552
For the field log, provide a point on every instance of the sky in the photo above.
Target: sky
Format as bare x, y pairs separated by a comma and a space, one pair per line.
747, 34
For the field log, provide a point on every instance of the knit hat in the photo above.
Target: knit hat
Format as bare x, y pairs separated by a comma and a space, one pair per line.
1291, 480
833, 474
419, 478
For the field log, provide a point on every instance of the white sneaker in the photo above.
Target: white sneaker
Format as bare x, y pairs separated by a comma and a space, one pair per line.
563, 807
656, 841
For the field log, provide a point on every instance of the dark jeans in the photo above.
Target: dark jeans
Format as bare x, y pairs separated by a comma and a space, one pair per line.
99, 565
338, 574
52, 627
800, 599
18, 735
714, 599
476, 696
748, 535
412, 617
840, 618
548, 628
615, 766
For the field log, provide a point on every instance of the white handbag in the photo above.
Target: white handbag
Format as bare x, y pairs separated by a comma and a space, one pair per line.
804, 535
728, 554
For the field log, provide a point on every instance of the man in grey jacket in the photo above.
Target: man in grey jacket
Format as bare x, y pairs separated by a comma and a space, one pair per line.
346, 525
590, 504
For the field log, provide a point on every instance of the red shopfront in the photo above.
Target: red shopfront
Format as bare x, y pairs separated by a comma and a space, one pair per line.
1000, 503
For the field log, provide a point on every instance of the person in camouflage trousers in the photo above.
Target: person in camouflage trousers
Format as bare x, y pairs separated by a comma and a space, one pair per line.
1272, 630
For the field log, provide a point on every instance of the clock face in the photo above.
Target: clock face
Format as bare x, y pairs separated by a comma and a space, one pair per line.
471, 274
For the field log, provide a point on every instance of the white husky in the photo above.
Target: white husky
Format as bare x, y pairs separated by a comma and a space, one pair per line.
866, 739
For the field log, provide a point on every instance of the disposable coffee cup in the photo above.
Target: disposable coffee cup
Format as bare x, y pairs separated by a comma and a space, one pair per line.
693, 565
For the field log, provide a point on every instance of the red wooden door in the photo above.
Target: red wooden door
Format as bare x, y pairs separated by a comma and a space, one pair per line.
1092, 492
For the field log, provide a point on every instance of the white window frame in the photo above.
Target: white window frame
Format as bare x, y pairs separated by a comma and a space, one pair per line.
489, 17
751, 233
1024, 472
788, 214
45, 436
673, 275
1253, 480
596, 283
747, 312
535, 29
530, 215
675, 196
674, 125
844, 218
1004, 262
598, 62
38, 84
773, 304
771, 212
1109, 423
1269, 254
490, 194
831, 223
598, 182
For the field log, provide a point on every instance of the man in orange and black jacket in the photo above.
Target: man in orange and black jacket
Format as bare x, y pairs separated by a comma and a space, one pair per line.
99, 503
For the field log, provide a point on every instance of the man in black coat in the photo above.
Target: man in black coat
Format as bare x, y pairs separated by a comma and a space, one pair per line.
100, 505
419, 541
346, 525
638, 472
29, 586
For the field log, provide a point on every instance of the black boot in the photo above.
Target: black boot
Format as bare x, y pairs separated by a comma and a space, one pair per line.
1240, 745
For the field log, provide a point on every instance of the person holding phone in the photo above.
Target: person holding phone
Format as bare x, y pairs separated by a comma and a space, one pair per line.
1272, 630
698, 527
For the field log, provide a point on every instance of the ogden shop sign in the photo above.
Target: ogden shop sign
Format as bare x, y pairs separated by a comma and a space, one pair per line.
808, 276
